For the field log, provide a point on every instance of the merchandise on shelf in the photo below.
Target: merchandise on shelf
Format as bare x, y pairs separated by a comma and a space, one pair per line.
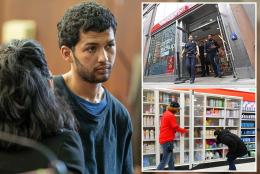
149, 160
247, 132
148, 96
248, 116
247, 125
233, 104
250, 146
167, 97
149, 148
231, 122
249, 106
186, 157
198, 132
248, 139
233, 113
210, 144
210, 133
148, 109
148, 120
198, 156
213, 102
198, 144
213, 155
215, 122
148, 134
215, 112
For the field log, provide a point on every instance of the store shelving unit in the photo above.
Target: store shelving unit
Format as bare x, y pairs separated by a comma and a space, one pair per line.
202, 116
248, 128
149, 134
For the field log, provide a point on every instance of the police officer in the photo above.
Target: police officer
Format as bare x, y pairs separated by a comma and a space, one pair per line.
203, 60
211, 50
190, 50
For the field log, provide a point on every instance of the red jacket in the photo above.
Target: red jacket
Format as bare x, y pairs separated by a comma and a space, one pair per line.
168, 127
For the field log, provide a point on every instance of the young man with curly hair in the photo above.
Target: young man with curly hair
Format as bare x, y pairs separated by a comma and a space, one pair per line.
87, 42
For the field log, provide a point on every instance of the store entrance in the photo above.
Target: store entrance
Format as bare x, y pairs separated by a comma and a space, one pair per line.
200, 24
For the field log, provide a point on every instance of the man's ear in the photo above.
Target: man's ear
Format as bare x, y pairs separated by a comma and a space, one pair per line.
66, 53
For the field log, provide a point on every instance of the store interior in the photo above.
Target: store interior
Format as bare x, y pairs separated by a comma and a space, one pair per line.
203, 111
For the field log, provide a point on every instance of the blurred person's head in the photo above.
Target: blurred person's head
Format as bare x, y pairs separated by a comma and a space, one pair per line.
190, 38
174, 107
28, 105
86, 35
210, 37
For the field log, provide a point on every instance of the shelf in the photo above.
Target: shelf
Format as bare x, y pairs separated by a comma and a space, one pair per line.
198, 126
233, 108
232, 117
197, 138
215, 117
213, 126
198, 149
150, 114
148, 140
218, 148
153, 153
252, 149
247, 128
249, 142
147, 114
248, 112
248, 119
214, 107
148, 126
148, 103
247, 135
198, 116
232, 126
210, 138
164, 104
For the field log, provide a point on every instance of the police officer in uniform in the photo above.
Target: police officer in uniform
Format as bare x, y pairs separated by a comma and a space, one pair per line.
211, 50
190, 51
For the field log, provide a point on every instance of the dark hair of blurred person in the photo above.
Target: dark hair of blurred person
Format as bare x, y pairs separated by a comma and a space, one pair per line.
30, 108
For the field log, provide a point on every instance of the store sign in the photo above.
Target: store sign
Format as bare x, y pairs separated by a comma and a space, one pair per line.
171, 17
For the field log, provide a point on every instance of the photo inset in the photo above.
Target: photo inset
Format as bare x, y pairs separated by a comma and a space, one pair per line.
193, 43
199, 129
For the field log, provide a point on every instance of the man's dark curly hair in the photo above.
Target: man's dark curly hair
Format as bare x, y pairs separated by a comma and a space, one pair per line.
84, 17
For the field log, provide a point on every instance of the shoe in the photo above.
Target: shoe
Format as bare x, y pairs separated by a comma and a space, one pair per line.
203, 75
219, 76
192, 81
216, 75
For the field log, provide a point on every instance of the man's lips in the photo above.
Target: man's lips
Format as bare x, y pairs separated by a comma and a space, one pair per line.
103, 68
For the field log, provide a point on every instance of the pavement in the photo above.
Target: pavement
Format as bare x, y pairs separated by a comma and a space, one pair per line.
224, 81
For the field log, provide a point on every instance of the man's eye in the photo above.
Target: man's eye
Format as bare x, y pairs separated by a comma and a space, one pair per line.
91, 49
110, 45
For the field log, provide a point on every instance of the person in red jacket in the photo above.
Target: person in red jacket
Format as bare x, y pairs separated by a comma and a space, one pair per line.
168, 128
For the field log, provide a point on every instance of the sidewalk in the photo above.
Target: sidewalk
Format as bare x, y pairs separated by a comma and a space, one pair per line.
207, 81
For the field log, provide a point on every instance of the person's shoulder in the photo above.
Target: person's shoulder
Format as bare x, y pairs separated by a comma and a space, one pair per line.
71, 150
116, 104
118, 109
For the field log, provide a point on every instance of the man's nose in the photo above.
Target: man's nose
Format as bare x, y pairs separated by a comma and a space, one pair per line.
102, 56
